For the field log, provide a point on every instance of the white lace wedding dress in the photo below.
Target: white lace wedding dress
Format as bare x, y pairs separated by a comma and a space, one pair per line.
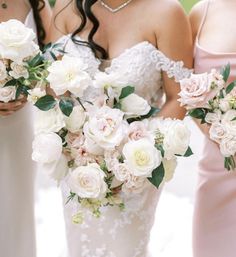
17, 174
122, 234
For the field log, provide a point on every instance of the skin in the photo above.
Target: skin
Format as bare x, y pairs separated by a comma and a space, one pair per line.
216, 27
19, 9
139, 21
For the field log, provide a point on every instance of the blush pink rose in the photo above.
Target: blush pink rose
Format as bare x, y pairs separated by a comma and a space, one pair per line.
197, 90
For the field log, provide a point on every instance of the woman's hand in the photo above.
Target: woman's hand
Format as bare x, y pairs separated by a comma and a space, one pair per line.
7, 109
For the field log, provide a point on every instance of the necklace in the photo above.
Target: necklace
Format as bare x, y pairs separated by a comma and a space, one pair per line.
4, 4
117, 9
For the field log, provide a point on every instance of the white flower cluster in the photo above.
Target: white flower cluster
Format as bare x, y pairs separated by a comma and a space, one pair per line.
111, 146
17, 45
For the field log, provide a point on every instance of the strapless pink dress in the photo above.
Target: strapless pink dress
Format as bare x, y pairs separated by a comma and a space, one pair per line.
214, 227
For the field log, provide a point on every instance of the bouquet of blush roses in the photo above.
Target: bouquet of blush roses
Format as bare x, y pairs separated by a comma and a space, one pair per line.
104, 132
208, 98
22, 66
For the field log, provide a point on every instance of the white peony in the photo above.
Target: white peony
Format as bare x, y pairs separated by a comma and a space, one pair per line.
18, 71
229, 122
76, 119
106, 127
35, 94
88, 181
134, 105
7, 94
3, 71
169, 167
16, 41
112, 83
228, 146
212, 117
47, 148
69, 74
176, 138
141, 157
49, 121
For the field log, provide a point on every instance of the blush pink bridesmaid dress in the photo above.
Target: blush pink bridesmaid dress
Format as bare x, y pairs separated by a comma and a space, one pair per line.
214, 228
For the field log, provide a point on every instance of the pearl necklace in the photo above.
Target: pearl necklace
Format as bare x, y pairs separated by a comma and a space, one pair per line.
117, 9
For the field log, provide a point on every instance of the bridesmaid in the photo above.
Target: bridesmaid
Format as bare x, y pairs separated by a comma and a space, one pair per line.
17, 235
214, 32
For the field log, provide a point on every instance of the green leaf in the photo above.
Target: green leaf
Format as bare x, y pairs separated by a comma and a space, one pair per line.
53, 55
66, 105
233, 119
151, 113
46, 103
38, 59
230, 164
225, 72
161, 149
198, 113
189, 152
230, 87
12, 82
126, 91
117, 105
19, 90
157, 176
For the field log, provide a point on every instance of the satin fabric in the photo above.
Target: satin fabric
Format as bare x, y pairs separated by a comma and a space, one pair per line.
214, 226
17, 233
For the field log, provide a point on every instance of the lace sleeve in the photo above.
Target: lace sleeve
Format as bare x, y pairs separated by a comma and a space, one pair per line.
174, 69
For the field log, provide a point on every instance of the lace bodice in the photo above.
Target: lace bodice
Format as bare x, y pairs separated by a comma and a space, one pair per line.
122, 234
141, 65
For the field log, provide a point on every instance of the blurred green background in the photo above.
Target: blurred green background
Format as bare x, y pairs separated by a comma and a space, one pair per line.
186, 3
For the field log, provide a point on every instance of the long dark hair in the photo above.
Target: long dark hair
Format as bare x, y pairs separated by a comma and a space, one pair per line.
37, 6
84, 9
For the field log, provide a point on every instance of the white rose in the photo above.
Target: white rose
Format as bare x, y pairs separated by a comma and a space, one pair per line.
48, 121
16, 41
169, 167
47, 148
228, 146
217, 132
112, 83
106, 127
88, 181
229, 122
141, 157
176, 138
76, 119
69, 74
3, 71
56, 170
7, 94
18, 71
212, 117
35, 94
134, 105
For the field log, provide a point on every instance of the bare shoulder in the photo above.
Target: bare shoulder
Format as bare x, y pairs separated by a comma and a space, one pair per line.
196, 16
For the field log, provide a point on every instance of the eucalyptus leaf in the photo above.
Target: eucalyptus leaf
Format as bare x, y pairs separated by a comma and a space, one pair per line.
225, 72
12, 82
126, 91
66, 105
157, 176
46, 103
230, 87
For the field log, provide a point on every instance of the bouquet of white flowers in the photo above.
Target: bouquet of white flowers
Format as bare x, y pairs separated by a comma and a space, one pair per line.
22, 65
208, 98
106, 135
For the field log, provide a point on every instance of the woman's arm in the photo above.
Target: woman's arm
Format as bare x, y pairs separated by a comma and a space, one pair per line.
175, 41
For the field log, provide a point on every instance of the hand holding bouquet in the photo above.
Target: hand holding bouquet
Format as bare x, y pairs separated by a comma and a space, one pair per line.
208, 97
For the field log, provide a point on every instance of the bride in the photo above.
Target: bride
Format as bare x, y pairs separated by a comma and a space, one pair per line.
144, 38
